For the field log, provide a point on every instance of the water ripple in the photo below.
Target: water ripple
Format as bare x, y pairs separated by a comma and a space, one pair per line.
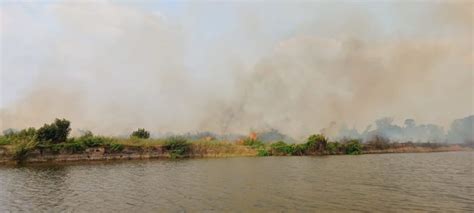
388, 183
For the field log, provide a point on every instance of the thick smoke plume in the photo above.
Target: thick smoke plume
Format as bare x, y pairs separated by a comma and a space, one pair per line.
295, 67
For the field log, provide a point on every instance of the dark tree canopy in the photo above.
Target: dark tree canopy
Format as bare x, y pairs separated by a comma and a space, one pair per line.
56, 132
140, 133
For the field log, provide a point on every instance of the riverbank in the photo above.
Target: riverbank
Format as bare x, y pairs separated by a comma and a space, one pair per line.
51, 143
140, 150
199, 149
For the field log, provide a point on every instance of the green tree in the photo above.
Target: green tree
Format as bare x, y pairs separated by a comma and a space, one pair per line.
56, 132
140, 133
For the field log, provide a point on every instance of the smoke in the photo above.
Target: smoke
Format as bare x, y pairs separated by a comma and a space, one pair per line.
292, 67
460, 131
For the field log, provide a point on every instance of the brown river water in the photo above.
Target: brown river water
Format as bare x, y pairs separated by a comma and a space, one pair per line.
437, 182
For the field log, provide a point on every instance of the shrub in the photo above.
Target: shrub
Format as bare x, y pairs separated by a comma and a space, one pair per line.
316, 143
140, 133
28, 134
299, 149
56, 132
353, 147
254, 143
4, 140
91, 141
177, 146
56, 148
263, 152
11, 136
281, 148
23, 149
74, 146
333, 147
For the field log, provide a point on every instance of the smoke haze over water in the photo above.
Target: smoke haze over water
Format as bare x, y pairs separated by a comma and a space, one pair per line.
114, 66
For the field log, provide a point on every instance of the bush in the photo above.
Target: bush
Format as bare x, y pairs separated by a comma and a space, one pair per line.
177, 146
74, 146
23, 149
56, 132
299, 149
56, 148
4, 140
281, 148
333, 148
11, 136
140, 133
316, 143
353, 147
91, 141
263, 152
254, 143
28, 134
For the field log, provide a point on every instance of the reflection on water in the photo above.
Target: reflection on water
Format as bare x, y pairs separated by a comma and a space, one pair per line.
395, 182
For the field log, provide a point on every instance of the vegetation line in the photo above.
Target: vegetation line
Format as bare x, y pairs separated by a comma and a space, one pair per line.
51, 142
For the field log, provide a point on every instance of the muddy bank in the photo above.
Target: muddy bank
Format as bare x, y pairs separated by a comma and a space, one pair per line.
128, 153
157, 152
453, 148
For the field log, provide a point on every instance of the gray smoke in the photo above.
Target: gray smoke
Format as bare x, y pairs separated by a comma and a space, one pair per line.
460, 131
294, 67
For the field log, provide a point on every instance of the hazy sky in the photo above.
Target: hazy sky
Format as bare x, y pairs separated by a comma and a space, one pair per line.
112, 66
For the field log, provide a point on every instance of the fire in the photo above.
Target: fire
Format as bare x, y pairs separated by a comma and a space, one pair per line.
253, 136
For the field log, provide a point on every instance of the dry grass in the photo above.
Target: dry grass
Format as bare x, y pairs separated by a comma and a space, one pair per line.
199, 148
418, 149
220, 149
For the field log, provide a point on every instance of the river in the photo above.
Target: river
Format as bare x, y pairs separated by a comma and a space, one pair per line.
378, 182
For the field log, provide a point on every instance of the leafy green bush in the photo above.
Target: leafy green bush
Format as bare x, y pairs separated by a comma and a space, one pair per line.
177, 146
263, 152
140, 133
5, 140
27, 134
23, 149
316, 143
56, 132
11, 136
333, 148
281, 148
299, 149
74, 146
91, 141
353, 147
56, 148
